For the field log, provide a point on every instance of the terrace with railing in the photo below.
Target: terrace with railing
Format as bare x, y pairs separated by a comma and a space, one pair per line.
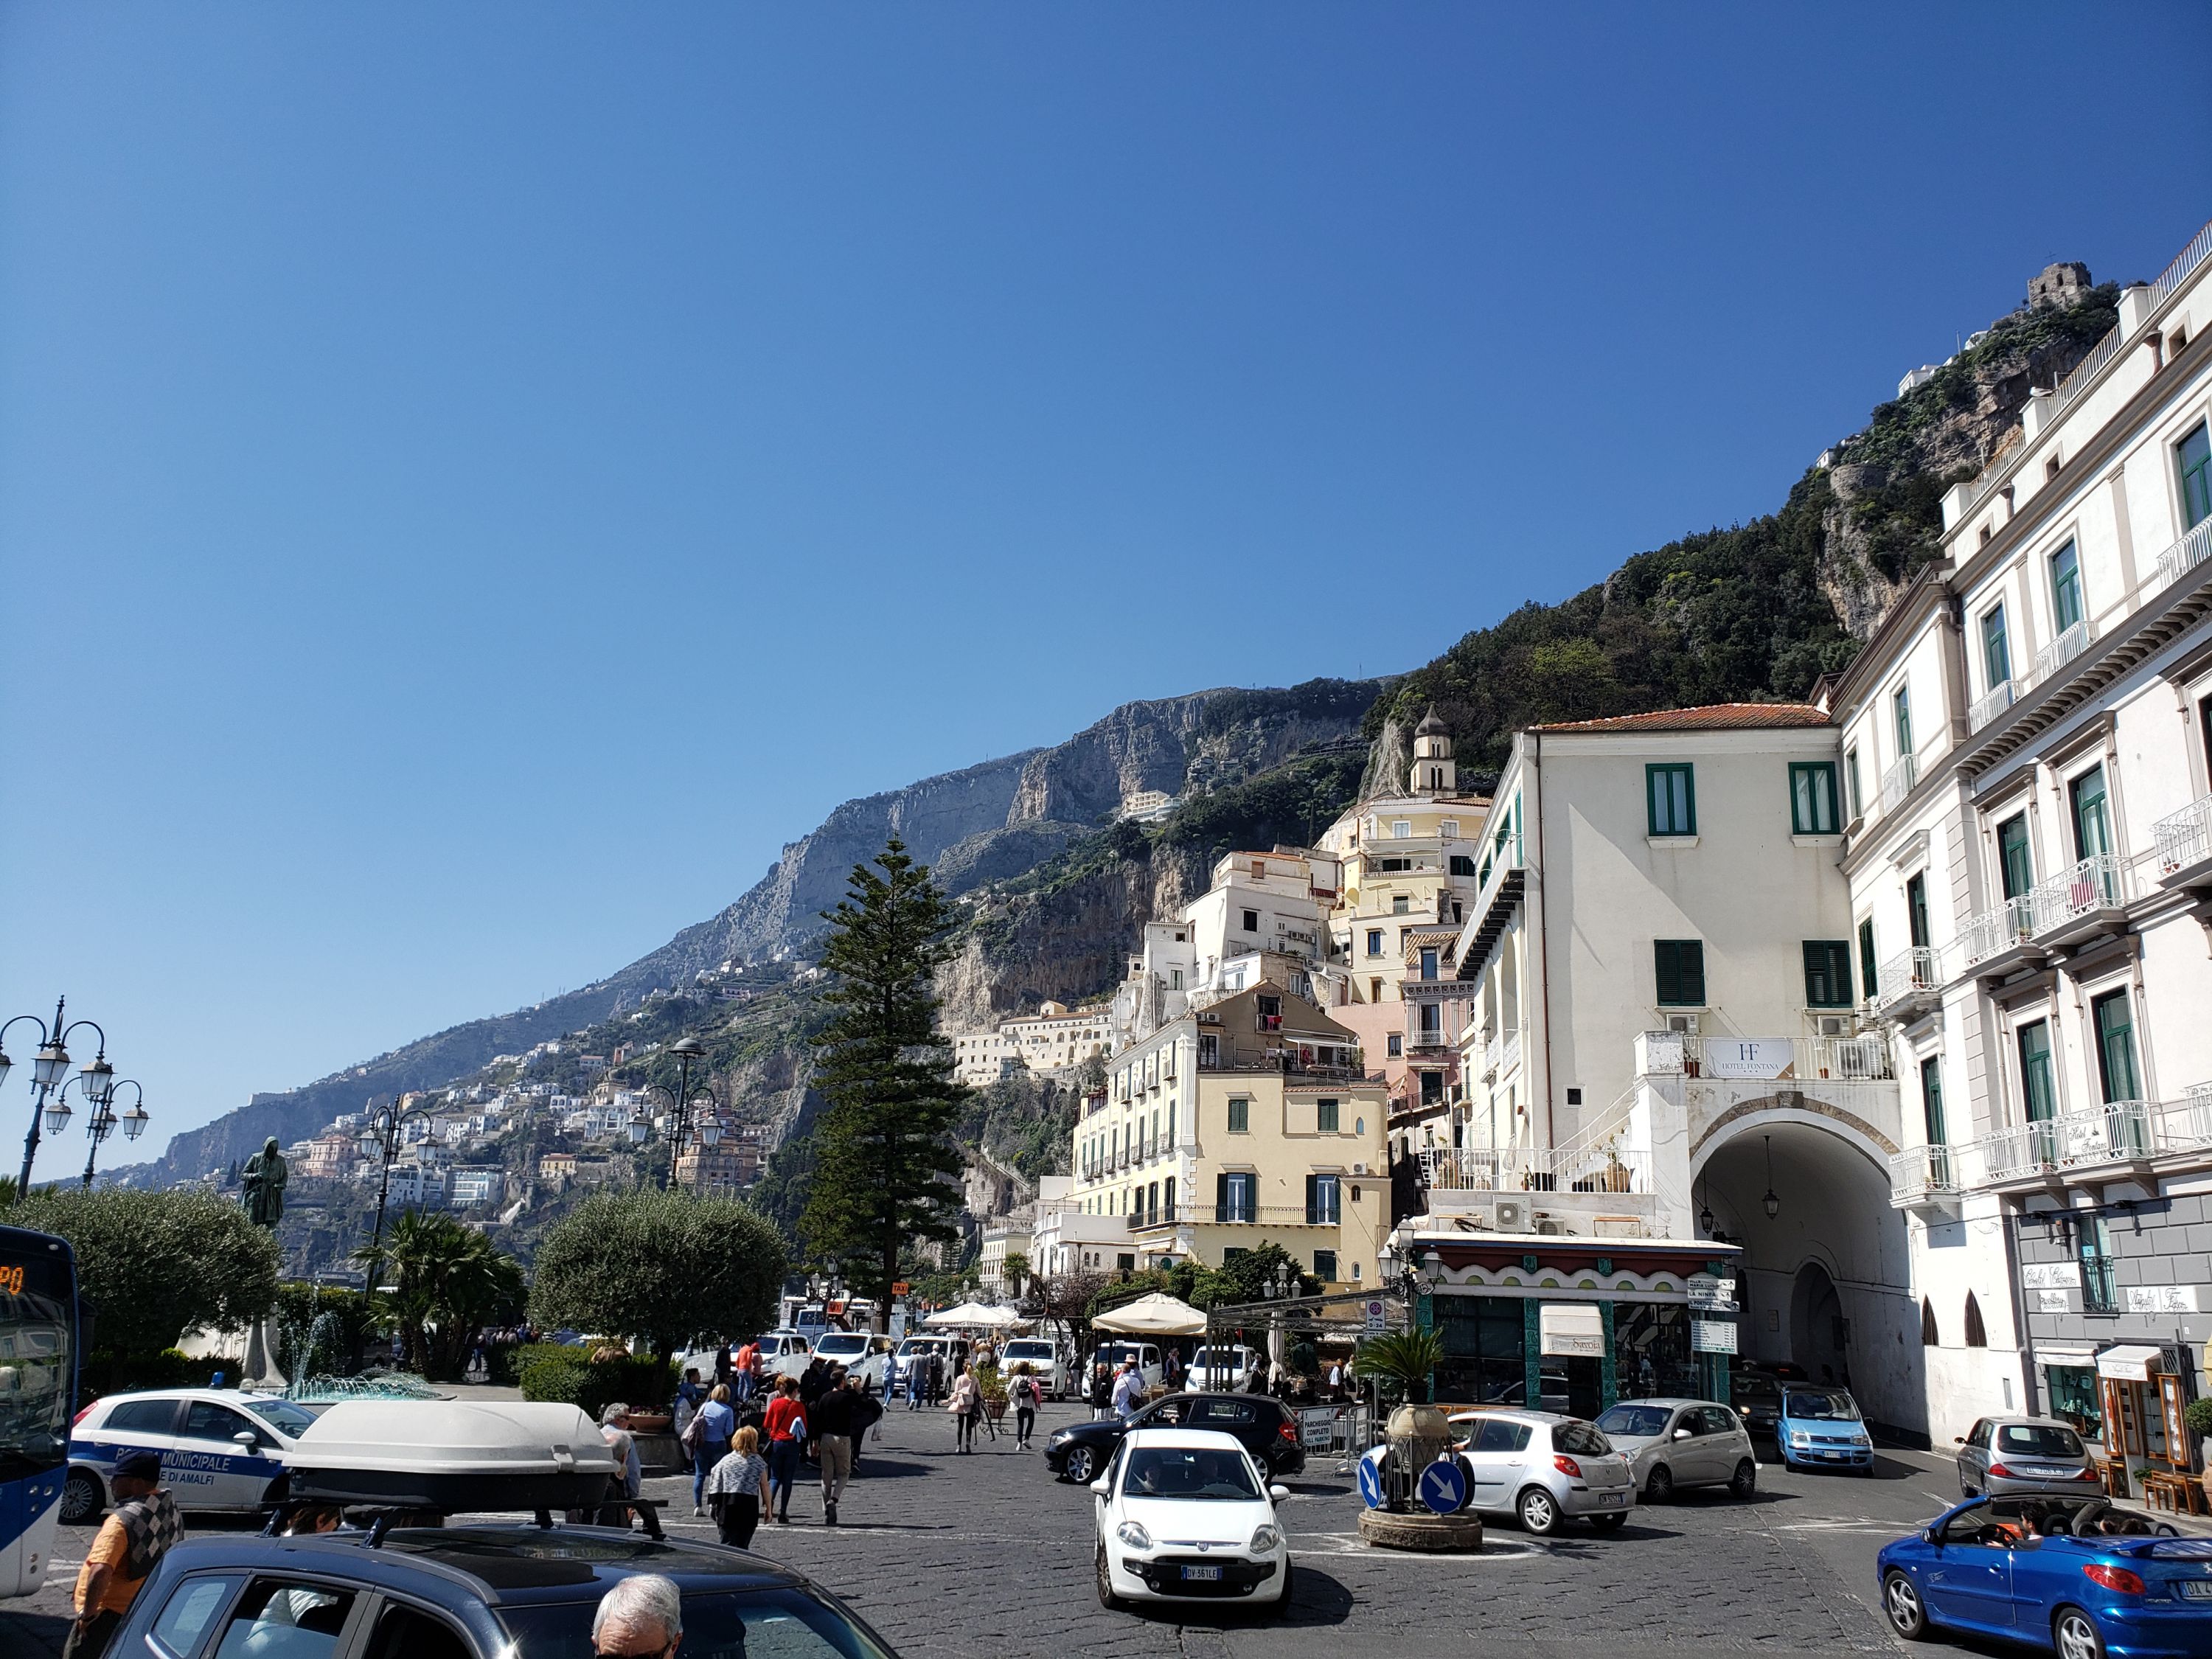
2184, 839
1912, 975
1537, 1170
2118, 1133
2094, 884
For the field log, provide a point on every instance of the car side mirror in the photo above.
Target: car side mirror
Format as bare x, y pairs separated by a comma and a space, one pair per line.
248, 1439
1958, 1439
1681, 1434
1278, 1494
1933, 1537
1099, 1486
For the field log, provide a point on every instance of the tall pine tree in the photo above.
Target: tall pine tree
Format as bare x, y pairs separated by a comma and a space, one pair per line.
886, 1172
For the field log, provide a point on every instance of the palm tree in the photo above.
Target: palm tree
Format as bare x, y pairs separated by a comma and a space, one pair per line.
1406, 1357
450, 1283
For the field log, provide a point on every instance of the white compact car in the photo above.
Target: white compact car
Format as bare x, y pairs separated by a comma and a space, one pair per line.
221, 1449
1671, 1444
1115, 1355
1186, 1515
1221, 1367
953, 1349
1043, 1357
1544, 1468
862, 1353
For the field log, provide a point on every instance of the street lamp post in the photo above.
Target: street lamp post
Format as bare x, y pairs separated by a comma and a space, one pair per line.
681, 1101
103, 1119
385, 1126
48, 1072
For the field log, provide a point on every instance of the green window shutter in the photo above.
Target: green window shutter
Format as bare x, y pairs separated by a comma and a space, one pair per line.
1679, 971
1312, 1200
2193, 456
1221, 1196
1325, 1117
1869, 980
2014, 870
1827, 973
2066, 605
2116, 1045
1671, 799
1813, 798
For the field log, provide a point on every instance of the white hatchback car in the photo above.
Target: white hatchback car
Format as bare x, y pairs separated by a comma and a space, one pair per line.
1186, 1515
1544, 1468
221, 1449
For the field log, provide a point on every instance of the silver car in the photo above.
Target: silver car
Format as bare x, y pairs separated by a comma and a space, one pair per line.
1543, 1468
2003, 1455
1671, 1444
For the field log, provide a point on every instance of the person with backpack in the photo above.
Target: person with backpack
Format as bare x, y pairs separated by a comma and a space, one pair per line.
1027, 1397
707, 1439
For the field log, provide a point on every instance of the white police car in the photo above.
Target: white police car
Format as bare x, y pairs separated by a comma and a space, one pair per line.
221, 1449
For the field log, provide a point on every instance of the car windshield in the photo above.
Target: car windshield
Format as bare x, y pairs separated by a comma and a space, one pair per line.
789, 1623
1201, 1471
841, 1345
1751, 1388
914, 1345
1029, 1350
1821, 1405
281, 1415
1580, 1439
2040, 1440
1117, 1354
1636, 1422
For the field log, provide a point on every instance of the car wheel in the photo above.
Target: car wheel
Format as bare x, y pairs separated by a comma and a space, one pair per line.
82, 1497
1745, 1481
1539, 1512
1107, 1598
1290, 1588
2076, 1635
1659, 1485
1966, 1487
1607, 1522
1900, 1599
1082, 1465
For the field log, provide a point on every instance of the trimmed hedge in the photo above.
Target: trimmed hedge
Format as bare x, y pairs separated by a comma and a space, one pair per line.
553, 1371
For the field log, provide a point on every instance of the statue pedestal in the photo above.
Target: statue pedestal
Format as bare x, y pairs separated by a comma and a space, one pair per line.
260, 1369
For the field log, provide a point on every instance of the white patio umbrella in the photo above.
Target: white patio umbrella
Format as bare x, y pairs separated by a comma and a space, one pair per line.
1156, 1315
975, 1314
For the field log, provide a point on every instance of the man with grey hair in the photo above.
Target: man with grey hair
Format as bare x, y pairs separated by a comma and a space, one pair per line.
614, 1429
640, 1617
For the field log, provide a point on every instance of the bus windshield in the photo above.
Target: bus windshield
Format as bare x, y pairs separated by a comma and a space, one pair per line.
37, 1296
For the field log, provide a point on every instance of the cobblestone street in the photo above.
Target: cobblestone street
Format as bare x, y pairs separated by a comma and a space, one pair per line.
987, 1555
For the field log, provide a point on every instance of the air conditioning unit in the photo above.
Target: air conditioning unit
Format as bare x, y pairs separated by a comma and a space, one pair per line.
1359, 1168
1209, 1019
1682, 1024
1512, 1216
1835, 1026
1550, 1226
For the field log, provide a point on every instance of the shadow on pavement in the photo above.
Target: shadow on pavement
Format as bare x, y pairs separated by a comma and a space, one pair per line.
31, 1635
1316, 1599
888, 1468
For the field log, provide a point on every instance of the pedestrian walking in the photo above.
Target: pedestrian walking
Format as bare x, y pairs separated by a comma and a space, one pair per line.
1102, 1392
1027, 1398
834, 1422
966, 1406
786, 1421
1129, 1391
936, 1376
917, 1381
712, 1427
614, 1429
745, 1375
690, 1395
725, 1368
136, 1536
737, 1489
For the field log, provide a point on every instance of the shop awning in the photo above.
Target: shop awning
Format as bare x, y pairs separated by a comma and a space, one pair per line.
1571, 1328
2129, 1364
2081, 1358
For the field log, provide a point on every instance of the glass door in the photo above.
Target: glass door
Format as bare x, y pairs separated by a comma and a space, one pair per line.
1931, 1106
2038, 1088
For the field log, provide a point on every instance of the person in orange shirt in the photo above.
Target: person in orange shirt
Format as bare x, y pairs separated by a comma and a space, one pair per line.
135, 1536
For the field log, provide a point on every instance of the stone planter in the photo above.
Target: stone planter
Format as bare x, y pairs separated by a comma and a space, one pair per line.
1433, 1535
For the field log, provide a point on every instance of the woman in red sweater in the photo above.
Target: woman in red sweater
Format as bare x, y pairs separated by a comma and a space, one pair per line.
786, 1423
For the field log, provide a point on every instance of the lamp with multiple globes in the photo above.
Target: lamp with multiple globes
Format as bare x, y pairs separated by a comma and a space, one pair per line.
677, 1122
49, 1112
386, 1126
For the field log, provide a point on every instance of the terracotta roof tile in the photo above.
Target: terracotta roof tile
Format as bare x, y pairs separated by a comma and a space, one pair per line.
1713, 717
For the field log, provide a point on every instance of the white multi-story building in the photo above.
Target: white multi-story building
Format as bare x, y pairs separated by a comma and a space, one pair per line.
2028, 756
1055, 1038
470, 1187
1065, 1239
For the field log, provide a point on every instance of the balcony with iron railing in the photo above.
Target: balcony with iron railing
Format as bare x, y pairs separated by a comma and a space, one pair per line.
1612, 1170
1863, 1059
1999, 932
1910, 981
2183, 842
1921, 1174
2120, 1133
2070, 643
2184, 557
1993, 703
1898, 781
1236, 1215
2078, 901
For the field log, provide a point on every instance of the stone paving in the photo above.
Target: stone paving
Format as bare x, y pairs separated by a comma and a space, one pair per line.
986, 1554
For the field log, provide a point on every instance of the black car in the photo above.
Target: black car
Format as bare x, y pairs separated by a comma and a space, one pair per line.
1757, 1397
1265, 1426
489, 1592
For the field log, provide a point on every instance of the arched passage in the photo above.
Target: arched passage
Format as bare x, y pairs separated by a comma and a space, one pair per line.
1826, 1276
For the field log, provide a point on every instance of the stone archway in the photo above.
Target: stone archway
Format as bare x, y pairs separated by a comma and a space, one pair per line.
1828, 1279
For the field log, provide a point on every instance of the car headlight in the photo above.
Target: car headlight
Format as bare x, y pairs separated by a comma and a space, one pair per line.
1059, 1435
1266, 1539
1799, 1437
1132, 1533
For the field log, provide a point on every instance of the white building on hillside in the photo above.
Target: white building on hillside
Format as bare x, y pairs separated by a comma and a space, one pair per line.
2027, 751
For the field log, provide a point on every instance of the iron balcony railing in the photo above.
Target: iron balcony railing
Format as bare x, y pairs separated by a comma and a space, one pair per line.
1907, 973
1537, 1170
1863, 1059
2099, 883
1260, 1215
2185, 837
1999, 929
1897, 783
2184, 557
2069, 644
1993, 703
1922, 1172
1500, 858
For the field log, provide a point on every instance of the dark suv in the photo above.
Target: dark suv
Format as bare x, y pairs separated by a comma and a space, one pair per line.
1267, 1427
492, 1592
1757, 1397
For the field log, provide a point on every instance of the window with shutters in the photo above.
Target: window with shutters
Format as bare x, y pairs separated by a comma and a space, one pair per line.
1827, 973
1916, 908
1322, 1205
2016, 870
2192, 459
1325, 1265
1240, 1115
2066, 602
1671, 799
1325, 1116
1236, 1195
1813, 798
2114, 1019
1680, 970
1869, 977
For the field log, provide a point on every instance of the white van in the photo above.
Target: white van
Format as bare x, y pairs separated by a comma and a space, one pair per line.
862, 1353
1221, 1367
1115, 1355
1042, 1356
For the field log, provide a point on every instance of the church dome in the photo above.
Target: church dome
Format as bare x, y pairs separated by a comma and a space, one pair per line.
1431, 726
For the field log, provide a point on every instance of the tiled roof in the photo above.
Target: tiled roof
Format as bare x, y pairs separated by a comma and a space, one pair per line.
1713, 717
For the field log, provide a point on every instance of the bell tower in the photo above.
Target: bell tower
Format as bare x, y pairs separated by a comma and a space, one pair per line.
1434, 772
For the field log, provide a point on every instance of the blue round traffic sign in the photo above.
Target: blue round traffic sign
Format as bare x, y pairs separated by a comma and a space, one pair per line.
1370, 1477
1443, 1487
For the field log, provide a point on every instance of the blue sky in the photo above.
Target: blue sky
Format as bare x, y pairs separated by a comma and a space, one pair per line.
474, 481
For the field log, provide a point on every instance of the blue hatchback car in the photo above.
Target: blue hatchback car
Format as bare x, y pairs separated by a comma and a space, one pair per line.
2074, 1575
1819, 1428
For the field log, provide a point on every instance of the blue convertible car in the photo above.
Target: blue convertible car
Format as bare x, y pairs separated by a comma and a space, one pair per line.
2072, 1574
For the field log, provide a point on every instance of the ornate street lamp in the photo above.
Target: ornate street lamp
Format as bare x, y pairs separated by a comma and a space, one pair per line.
49, 1073
385, 1126
1771, 1203
681, 1101
105, 1122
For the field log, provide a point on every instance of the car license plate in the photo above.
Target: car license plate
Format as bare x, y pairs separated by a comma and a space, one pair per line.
1209, 1574
2196, 1590
1617, 1499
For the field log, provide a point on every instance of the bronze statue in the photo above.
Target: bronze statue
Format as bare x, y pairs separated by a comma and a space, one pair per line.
264, 1181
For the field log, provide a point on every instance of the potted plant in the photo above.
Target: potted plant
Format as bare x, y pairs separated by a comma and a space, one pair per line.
1401, 1358
2196, 1415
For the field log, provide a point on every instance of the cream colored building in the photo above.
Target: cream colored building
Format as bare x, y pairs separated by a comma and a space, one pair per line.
1055, 1038
2027, 751
1243, 1122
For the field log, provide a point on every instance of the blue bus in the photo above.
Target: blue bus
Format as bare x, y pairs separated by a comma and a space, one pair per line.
39, 1352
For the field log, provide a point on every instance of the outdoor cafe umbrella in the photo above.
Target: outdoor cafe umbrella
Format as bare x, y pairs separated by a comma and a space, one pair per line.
973, 1313
1156, 1315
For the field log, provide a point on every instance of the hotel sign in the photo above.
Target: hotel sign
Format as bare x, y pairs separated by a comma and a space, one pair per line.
1748, 1057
